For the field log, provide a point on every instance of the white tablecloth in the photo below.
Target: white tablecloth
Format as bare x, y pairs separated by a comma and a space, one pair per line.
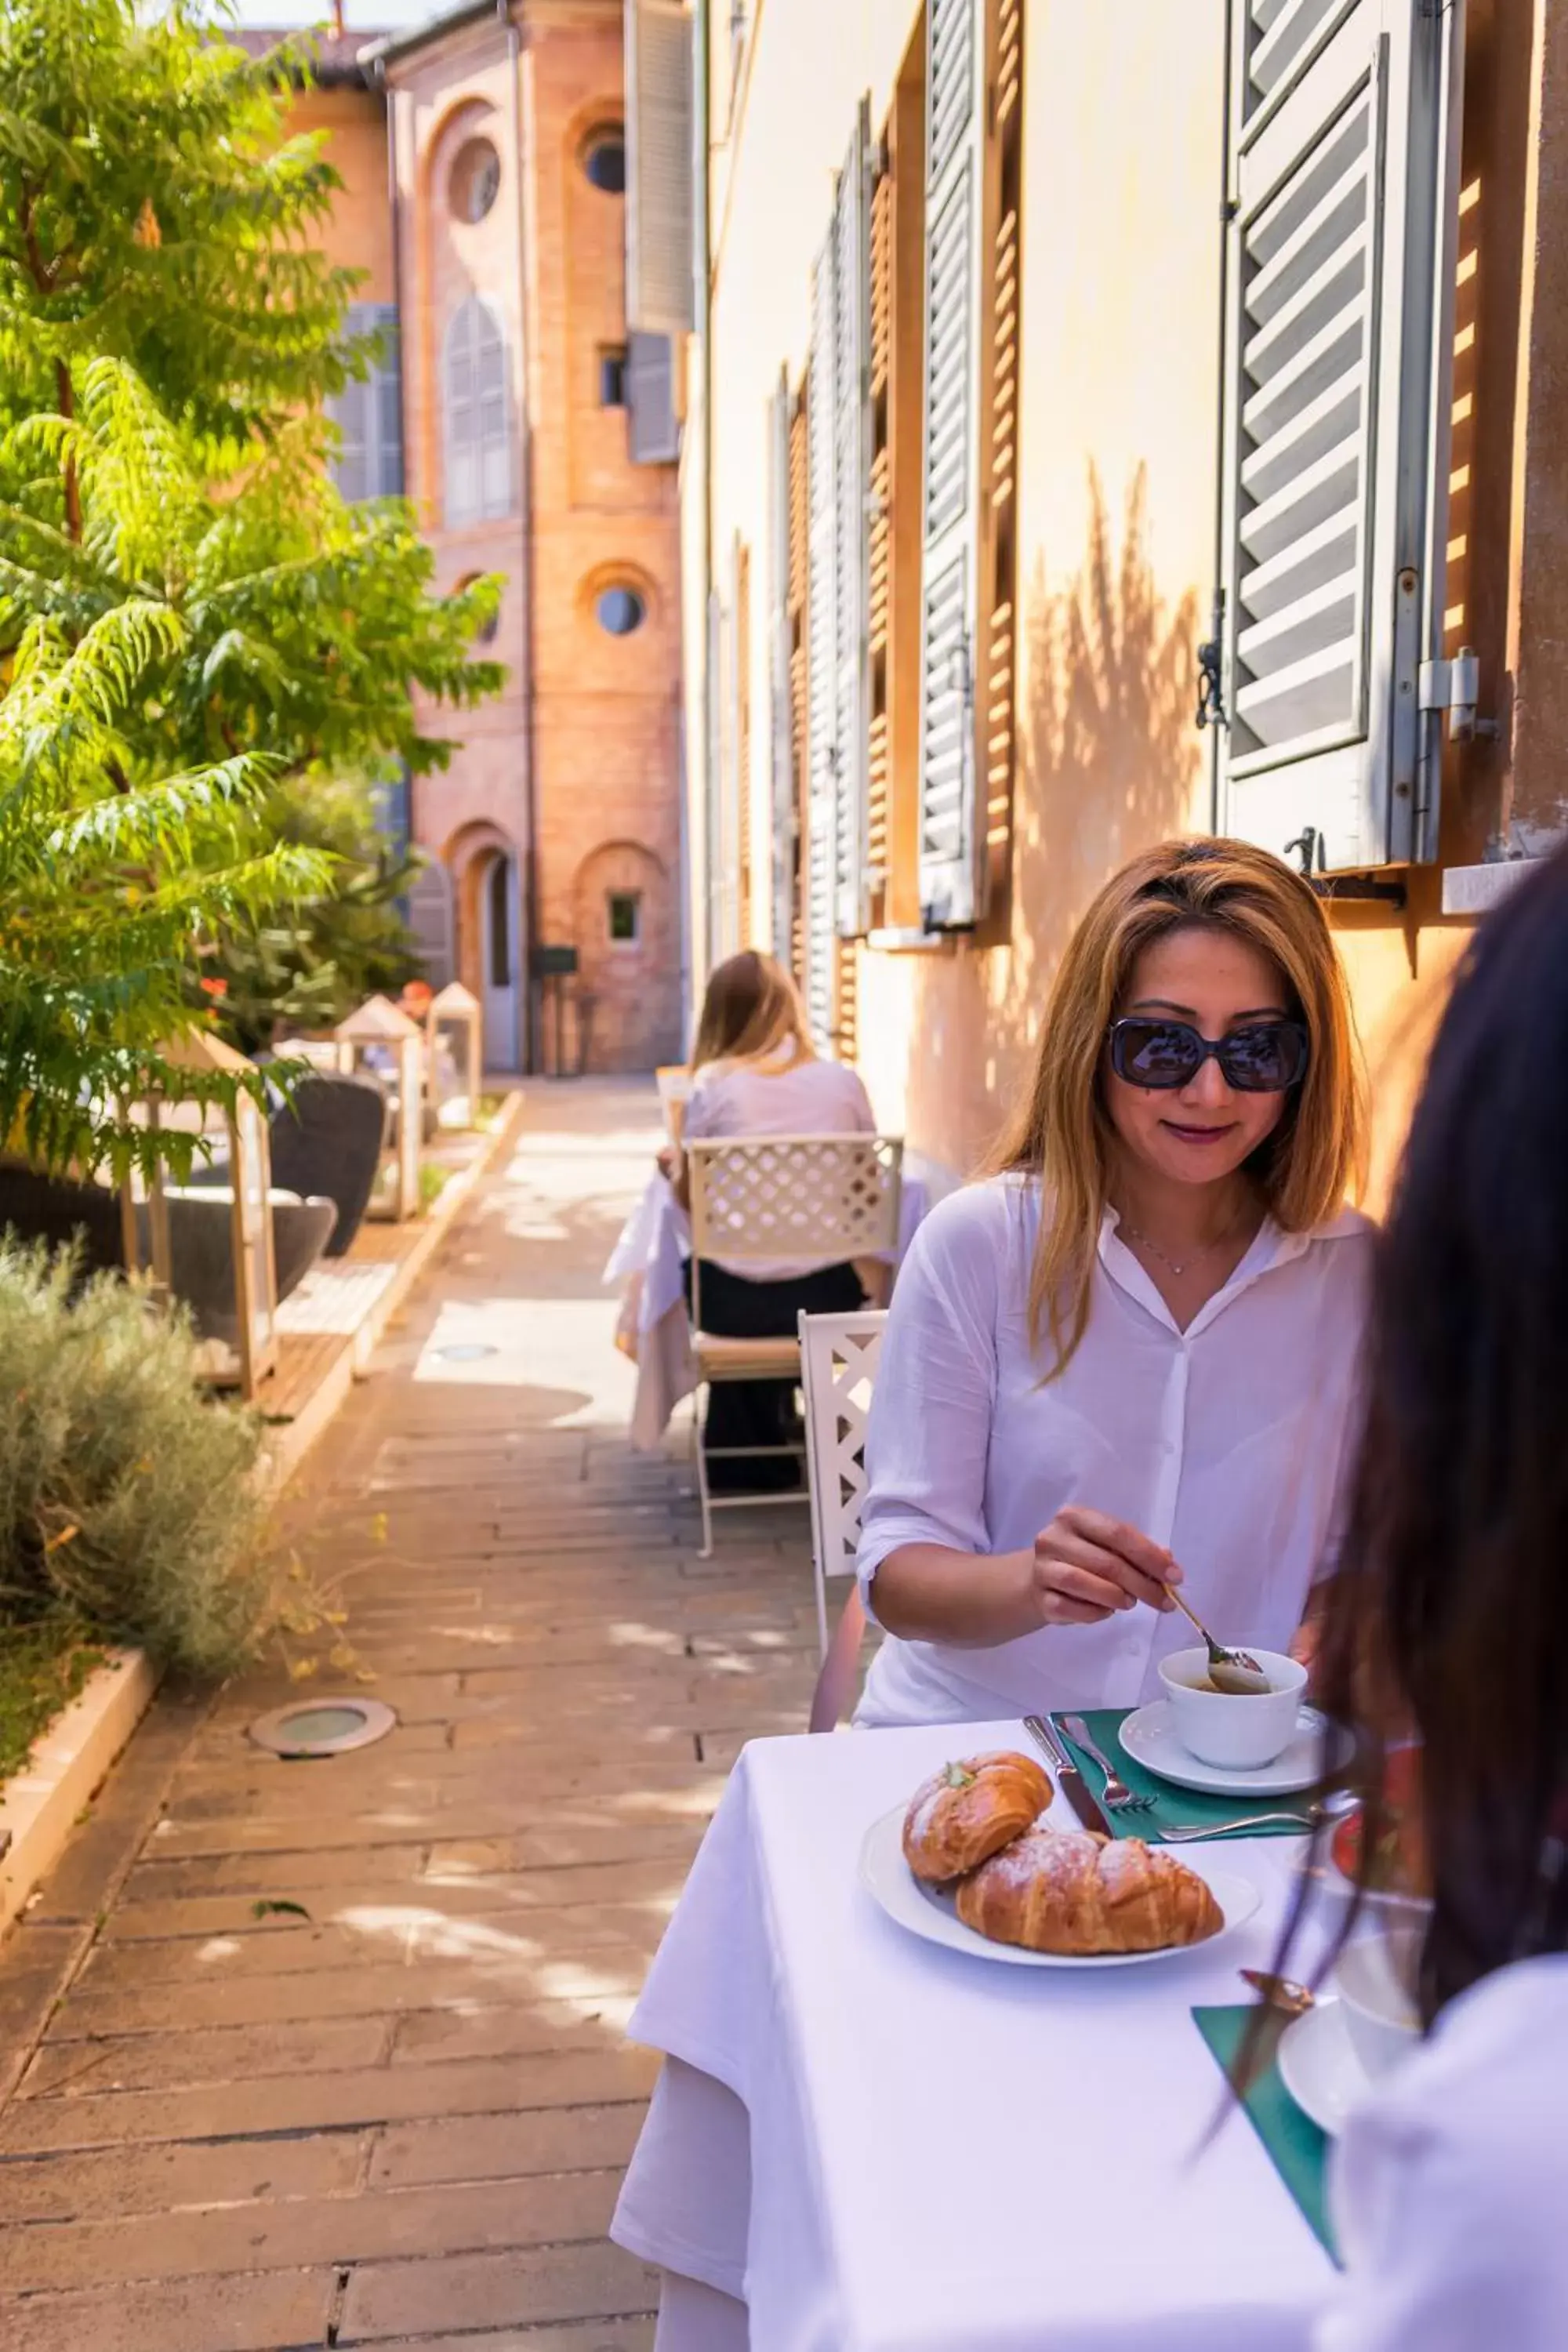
888, 2147
650, 1258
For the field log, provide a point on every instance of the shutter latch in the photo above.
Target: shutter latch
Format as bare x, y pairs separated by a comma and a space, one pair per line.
1455, 687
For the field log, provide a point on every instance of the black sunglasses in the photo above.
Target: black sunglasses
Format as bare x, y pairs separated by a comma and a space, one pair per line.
1267, 1058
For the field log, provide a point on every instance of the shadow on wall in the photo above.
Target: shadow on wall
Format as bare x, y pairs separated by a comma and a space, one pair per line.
1109, 760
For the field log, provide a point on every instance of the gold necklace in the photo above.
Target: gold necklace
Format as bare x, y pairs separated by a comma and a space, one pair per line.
1132, 1233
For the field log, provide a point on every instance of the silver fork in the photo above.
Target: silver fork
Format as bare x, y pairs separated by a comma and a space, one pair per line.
1116, 1796
1183, 1832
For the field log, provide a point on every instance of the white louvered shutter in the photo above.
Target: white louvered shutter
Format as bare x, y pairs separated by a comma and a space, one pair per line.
660, 167
1335, 482
951, 848
781, 731
851, 526
368, 413
822, 630
652, 433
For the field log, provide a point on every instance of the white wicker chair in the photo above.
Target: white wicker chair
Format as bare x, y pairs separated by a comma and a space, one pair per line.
673, 1080
838, 1358
761, 1201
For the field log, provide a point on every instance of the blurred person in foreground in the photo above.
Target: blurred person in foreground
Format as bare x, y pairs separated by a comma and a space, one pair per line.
1446, 1622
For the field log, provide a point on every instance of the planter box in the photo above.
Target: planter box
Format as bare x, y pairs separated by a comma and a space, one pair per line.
39, 1804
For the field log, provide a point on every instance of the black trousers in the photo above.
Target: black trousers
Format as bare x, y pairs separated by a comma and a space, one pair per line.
761, 1413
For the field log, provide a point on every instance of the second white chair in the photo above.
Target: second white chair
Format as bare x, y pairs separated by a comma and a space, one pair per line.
838, 1358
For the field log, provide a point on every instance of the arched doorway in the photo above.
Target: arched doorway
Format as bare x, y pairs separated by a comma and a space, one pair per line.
501, 992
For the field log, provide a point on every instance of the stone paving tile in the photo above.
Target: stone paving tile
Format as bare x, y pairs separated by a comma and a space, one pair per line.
400, 2122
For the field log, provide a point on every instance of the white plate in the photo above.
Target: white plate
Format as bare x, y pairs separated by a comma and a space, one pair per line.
1319, 2066
928, 1911
1148, 1737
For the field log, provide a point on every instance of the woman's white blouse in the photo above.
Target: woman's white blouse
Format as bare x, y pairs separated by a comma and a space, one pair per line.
1224, 1442
1449, 2188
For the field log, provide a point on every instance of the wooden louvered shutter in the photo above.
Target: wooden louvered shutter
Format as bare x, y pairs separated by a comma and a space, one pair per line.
880, 547
1334, 478
660, 167
851, 262
781, 691
822, 630
996, 618
741, 703
950, 844
800, 668
714, 843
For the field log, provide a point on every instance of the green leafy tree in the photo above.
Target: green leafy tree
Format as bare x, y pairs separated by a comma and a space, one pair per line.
153, 209
103, 894
312, 965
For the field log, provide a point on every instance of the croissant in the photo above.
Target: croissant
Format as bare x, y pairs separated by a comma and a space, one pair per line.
1077, 1894
968, 1811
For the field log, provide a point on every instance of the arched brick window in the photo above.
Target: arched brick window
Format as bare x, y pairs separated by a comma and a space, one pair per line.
477, 418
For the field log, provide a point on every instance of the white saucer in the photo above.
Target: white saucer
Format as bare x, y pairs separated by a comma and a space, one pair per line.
1319, 2066
928, 1911
1148, 1737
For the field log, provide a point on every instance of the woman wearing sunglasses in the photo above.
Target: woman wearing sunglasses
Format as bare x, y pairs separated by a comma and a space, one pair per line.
1125, 1360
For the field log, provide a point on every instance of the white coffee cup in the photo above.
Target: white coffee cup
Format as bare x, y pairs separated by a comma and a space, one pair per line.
1373, 1978
1232, 1730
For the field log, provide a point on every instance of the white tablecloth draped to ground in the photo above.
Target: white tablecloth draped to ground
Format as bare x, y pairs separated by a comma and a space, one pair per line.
650, 1258
889, 2147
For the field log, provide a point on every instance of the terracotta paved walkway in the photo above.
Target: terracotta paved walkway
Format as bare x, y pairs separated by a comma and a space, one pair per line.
401, 2119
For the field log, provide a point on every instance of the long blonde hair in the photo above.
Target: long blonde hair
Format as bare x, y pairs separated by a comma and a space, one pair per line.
1062, 1136
750, 1009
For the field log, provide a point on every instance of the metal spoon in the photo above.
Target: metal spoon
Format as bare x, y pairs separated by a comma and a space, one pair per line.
1280, 1992
1232, 1671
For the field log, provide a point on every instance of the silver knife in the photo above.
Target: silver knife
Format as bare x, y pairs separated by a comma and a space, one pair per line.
1074, 1787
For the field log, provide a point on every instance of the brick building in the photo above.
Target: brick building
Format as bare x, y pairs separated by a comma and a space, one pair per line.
483, 166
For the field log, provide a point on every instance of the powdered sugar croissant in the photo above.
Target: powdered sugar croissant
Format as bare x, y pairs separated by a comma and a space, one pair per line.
968, 1810
1079, 1894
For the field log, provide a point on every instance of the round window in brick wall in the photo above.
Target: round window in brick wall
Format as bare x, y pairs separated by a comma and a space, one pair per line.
619, 611
605, 160
474, 182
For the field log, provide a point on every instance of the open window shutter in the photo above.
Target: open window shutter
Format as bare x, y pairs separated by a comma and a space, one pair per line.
653, 435
781, 730
430, 921
387, 407
851, 544
950, 845
660, 167
800, 663
714, 842
1335, 468
821, 846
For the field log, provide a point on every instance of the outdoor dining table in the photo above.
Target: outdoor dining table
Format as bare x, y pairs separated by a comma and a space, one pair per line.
875, 2144
650, 1257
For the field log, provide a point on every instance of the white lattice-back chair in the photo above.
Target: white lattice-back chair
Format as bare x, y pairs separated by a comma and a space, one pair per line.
673, 1080
764, 1202
838, 1358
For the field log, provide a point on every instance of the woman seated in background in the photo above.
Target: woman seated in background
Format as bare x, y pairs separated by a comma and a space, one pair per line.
755, 1072
1446, 1619
1128, 1355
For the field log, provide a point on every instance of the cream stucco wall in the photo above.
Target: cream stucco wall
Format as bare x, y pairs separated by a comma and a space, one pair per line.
1120, 390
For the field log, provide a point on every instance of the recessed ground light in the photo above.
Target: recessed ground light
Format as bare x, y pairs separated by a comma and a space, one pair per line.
324, 1727
465, 1352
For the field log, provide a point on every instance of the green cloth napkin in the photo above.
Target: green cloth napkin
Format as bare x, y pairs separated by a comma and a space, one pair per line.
1295, 2147
1173, 1808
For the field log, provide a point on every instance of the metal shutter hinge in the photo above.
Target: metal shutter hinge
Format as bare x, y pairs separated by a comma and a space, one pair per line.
1455, 687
